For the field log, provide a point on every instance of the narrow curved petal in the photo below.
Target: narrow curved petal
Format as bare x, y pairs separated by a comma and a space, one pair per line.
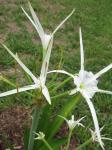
21, 64
22, 89
79, 120
46, 41
44, 37
63, 118
104, 138
36, 20
95, 120
102, 128
97, 75
63, 72
104, 91
80, 124
81, 50
46, 94
63, 22
46, 59
30, 19
35, 23
74, 91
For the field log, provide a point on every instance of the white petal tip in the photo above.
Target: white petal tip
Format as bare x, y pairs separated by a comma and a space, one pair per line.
22, 8
49, 103
70, 93
73, 10
4, 45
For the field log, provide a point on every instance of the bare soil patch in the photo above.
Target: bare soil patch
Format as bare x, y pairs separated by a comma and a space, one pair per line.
13, 27
12, 124
29, 26
2, 38
14, 120
2, 1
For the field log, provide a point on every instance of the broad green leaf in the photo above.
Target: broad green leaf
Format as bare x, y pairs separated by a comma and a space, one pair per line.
44, 123
67, 108
35, 120
26, 138
55, 143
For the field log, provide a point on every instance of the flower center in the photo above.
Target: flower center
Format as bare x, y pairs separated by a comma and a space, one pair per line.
82, 86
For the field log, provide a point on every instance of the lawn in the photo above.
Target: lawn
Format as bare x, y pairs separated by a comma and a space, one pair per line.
16, 31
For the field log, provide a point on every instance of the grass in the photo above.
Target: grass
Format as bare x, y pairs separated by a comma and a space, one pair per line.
95, 18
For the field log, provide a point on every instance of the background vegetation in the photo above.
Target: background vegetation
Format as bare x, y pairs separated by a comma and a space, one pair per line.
95, 18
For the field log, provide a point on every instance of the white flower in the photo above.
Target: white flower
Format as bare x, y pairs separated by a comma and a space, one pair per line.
45, 38
72, 123
40, 136
95, 138
86, 83
39, 83
47, 42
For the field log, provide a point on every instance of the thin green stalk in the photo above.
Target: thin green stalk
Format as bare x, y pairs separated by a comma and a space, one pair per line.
51, 83
47, 144
28, 77
61, 84
60, 95
66, 109
84, 144
69, 137
35, 120
13, 85
59, 67
8, 82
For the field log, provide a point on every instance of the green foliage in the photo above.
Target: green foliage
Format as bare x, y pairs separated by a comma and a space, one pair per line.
94, 16
65, 111
7, 142
56, 143
26, 138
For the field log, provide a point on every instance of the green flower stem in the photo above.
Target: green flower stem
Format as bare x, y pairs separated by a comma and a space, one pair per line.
8, 82
47, 144
35, 120
51, 83
13, 85
68, 106
84, 144
69, 137
61, 84
60, 95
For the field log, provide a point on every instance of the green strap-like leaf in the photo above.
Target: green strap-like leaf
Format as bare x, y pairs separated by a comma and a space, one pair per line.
55, 144
35, 120
26, 138
67, 108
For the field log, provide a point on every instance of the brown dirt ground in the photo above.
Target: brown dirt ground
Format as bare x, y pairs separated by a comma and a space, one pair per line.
12, 124
14, 120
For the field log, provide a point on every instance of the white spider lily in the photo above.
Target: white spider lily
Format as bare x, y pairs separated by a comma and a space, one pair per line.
39, 83
45, 38
72, 123
95, 139
86, 83
40, 136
